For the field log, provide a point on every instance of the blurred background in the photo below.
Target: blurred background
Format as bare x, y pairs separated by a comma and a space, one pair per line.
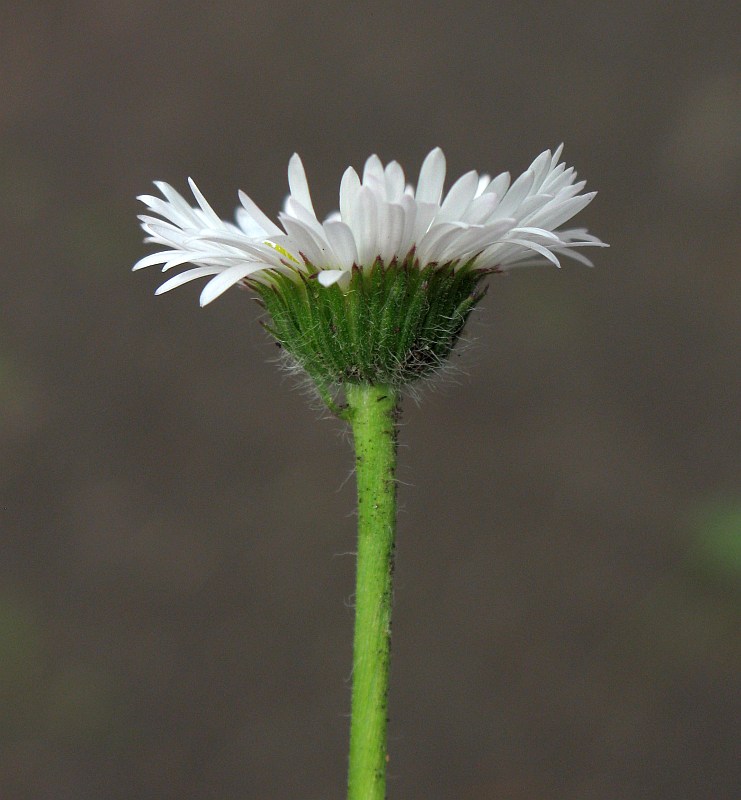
175, 579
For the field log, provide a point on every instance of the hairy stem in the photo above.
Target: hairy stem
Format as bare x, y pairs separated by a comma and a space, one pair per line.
372, 413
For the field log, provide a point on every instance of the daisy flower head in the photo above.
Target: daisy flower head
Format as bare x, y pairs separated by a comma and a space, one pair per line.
403, 263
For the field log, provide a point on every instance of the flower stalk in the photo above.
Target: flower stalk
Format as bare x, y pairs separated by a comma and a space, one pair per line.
372, 412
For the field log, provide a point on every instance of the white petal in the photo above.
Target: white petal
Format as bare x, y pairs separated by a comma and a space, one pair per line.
431, 177
557, 179
183, 258
229, 244
152, 258
460, 196
394, 175
531, 208
329, 276
258, 215
169, 212
247, 225
556, 155
499, 185
426, 213
218, 285
435, 240
349, 188
475, 240
538, 248
297, 182
390, 230
537, 232
567, 251
365, 226
540, 168
580, 236
209, 213
484, 181
304, 241
173, 197
342, 242
516, 194
188, 275
302, 214
409, 207
169, 233
373, 172
481, 209
560, 213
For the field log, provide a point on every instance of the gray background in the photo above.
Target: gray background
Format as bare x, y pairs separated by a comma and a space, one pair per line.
174, 584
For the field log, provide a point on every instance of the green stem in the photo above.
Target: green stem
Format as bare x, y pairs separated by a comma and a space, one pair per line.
372, 413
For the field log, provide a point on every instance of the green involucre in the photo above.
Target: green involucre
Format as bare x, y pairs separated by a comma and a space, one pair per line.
392, 325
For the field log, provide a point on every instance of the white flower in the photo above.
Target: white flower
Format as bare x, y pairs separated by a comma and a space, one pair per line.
498, 223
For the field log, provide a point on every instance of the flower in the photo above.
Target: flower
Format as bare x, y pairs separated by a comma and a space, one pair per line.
489, 225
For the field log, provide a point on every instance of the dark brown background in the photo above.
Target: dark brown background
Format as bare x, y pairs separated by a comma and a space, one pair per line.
175, 584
